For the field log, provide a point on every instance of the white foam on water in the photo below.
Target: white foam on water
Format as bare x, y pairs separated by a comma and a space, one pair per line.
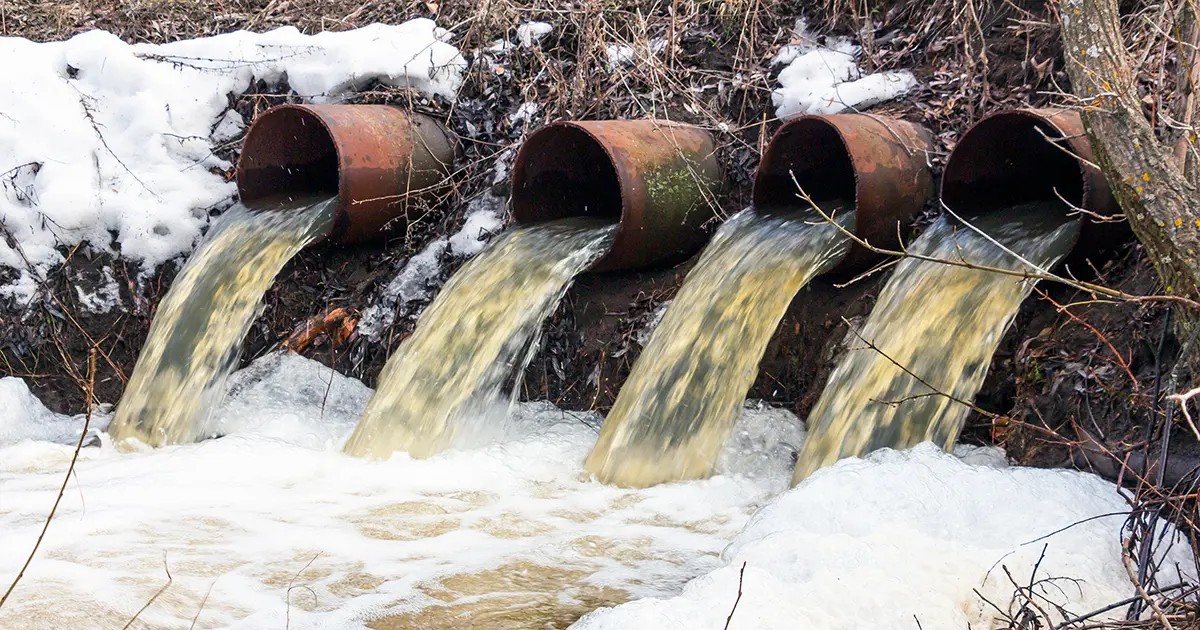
275, 503
286, 530
902, 536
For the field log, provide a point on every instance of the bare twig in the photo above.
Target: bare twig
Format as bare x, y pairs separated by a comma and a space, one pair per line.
741, 576
155, 596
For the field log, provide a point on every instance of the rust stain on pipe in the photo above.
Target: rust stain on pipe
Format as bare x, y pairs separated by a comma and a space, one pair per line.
379, 160
880, 163
658, 178
1024, 155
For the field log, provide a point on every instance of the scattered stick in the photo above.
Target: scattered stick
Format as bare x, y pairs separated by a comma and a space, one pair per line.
160, 591
1127, 561
291, 585
741, 576
203, 602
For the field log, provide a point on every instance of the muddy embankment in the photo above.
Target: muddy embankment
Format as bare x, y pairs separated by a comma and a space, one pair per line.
1059, 372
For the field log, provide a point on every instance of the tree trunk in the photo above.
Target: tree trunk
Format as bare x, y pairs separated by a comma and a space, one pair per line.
1159, 201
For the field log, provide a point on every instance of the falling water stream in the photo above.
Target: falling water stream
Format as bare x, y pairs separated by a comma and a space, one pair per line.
442, 386
930, 338
684, 393
196, 337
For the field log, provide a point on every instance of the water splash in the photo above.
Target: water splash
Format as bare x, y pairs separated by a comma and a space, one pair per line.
684, 393
942, 323
196, 337
442, 386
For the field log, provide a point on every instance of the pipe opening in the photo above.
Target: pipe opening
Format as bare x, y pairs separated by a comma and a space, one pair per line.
814, 152
1006, 160
290, 151
563, 171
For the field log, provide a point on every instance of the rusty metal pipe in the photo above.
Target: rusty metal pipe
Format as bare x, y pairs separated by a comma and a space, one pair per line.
379, 160
658, 178
1025, 155
879, 163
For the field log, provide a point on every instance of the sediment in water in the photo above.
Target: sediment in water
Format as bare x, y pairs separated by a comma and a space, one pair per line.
920, 358
196, 336
442, 386
687, 388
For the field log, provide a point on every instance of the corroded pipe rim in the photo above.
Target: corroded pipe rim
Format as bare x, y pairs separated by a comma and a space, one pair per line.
1095, 194
629, 170
759, 192
340, 221
377, 160
984, 141
878, 164
623, 185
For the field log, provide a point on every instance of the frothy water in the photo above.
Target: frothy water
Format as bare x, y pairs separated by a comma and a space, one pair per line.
934, 330
442, 386
196, 336
273, 526
685, 391
276, 526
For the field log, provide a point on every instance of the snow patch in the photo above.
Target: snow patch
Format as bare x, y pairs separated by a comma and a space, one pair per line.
530, 33
801, 42
827, 80
104, 298
411, 285
229, 127
112, 144
503, 165
643, 335
623, 56
24, 417
485, 219
525, 114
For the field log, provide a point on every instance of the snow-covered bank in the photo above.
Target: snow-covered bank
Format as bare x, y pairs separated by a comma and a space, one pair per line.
277, 522
113, 144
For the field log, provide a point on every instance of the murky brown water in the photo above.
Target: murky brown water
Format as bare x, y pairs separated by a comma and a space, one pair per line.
941, 323
687, 388
443, 384
196, 337
515, 596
